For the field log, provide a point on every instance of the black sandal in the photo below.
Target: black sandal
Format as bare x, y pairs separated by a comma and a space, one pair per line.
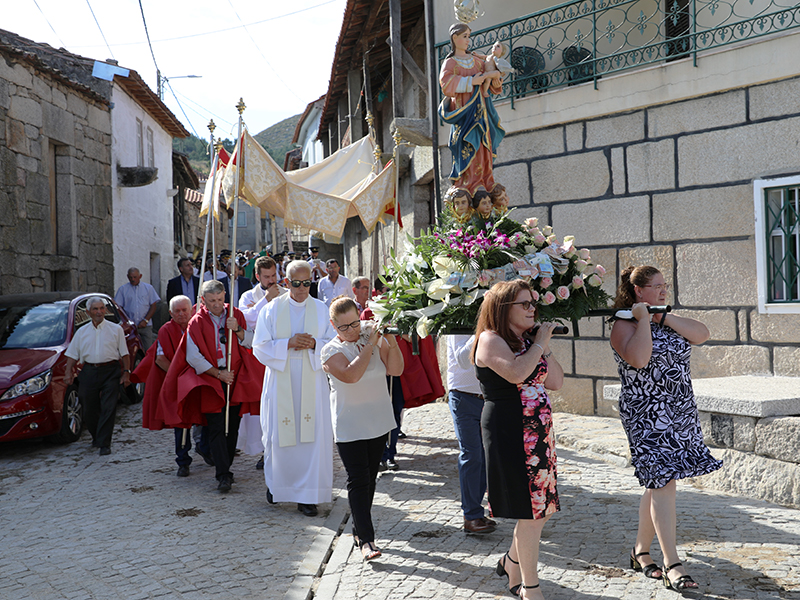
526, 587
648, 569
501, 570
680, 585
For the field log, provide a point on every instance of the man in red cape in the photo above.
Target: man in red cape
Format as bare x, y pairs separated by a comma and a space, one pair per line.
152, 370
196, 385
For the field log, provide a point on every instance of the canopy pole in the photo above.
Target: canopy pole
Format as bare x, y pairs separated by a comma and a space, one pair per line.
231, 280
209, 217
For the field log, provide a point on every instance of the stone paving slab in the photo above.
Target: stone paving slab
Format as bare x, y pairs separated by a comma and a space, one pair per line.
74, 524
735, 547
77, 525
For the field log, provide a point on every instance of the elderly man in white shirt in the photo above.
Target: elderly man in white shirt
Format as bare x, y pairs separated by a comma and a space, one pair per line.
99, 346
139, 300
466, 404
334, 285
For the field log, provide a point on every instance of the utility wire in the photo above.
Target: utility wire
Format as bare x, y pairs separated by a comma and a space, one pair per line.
147, 33
100, 28
193, 35
181, 107
262, 53
63, 45
207, 111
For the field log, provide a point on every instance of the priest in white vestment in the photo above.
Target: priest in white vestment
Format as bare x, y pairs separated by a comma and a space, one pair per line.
295, 400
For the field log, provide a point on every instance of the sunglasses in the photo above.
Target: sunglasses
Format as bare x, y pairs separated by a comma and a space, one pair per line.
222, 336
346, 326
525, 304
296, 283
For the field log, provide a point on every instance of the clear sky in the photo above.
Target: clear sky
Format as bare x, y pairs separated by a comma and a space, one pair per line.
276, 54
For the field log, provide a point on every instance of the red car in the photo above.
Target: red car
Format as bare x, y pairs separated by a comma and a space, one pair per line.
35, 330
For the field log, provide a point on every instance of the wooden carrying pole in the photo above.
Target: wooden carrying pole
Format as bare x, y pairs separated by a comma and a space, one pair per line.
239, 166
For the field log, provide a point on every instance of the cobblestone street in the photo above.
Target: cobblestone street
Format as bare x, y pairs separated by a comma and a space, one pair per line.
77, 525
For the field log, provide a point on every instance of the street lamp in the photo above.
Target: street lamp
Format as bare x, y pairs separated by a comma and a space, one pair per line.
161, 81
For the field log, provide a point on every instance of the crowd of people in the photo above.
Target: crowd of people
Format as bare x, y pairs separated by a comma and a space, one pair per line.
309, 369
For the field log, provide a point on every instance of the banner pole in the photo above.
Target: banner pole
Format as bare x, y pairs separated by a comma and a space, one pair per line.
240, 106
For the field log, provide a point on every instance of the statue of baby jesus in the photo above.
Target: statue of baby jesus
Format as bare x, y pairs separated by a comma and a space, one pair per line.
495, 61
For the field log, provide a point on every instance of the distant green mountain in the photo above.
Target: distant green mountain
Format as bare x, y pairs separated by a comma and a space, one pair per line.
278, 139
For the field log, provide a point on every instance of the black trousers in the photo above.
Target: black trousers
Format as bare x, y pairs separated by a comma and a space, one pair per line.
98, 387
361, 460
223, 447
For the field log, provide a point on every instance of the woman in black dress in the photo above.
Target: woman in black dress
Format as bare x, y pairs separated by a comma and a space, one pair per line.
659, 414
516, 424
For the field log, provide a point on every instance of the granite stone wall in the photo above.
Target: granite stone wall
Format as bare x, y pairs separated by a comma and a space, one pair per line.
669, 185
55, 184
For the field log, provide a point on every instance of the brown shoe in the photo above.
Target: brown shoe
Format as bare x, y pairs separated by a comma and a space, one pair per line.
479, 526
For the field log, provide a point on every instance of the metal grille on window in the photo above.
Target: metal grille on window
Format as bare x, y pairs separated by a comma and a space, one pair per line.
783, 243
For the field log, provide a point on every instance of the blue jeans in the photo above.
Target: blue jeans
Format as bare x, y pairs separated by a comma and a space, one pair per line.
466, 410
398, 401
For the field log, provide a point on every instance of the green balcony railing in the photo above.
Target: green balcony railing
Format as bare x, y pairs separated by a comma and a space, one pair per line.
581, 41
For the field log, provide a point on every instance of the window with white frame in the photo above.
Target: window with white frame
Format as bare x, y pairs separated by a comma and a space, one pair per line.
139, 144
777, 210
151, 156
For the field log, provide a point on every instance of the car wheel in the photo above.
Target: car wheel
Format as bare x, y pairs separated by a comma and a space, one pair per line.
71, 417
134, 393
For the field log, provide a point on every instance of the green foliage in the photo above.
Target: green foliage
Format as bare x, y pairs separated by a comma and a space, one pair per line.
277, 139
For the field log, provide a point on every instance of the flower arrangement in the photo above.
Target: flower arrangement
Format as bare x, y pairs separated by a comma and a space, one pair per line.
438, 285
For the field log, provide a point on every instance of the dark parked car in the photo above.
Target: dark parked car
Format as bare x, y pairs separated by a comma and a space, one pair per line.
35, 330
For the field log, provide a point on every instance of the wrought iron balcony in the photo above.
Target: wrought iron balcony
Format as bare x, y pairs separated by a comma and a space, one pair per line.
581, 41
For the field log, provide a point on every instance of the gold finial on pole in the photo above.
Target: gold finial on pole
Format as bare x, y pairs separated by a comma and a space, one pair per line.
240, 106
218, 145
212, 126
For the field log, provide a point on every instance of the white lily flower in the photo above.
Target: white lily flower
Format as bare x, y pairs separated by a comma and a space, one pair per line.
422, 327
443, 266
379, 310
435, 291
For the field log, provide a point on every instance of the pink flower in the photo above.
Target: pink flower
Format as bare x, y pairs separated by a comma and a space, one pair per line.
549, 298
577, 282
594, 280
562, 293
580, 265
584, 253
539, 239
535, 295
483, 279
531, 222
600, 270
552, 239
546, 282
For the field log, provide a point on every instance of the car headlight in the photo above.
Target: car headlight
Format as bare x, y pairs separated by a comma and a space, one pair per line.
34, 385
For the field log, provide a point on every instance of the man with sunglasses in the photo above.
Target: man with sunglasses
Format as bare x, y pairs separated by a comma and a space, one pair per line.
198, 381
295, 401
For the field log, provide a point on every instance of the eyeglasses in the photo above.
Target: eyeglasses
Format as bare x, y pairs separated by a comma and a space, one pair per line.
525, 304
661, 287
346, 326
296, 283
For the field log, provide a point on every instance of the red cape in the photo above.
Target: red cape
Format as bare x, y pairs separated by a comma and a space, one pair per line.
169, 336
421, 379
185, 396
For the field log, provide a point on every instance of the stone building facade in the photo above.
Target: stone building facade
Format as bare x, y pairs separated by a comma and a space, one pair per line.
55, 178
672, 185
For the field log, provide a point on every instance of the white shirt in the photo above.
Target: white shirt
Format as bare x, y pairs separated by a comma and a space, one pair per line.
258, 297
460, 371
328, 290
360, 410
196, 359
100, 344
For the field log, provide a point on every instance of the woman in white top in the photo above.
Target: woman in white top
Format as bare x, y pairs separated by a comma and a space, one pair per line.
361, 408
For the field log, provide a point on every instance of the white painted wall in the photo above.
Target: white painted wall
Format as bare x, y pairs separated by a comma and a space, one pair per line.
142, 216
312, 147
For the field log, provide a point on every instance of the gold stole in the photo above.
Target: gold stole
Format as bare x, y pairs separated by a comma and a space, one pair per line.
287, 430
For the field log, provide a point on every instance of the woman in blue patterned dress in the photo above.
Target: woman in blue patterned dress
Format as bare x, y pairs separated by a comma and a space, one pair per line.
516, 424
659, 414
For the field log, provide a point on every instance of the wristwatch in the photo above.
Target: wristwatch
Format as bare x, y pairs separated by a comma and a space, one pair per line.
126, 370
